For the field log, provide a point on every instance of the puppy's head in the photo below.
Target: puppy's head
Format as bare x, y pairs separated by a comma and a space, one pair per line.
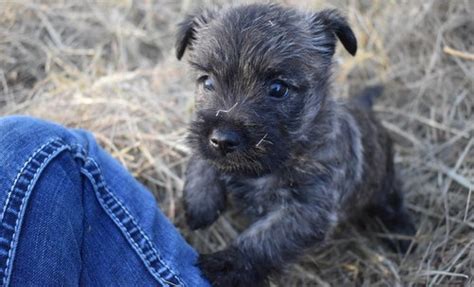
262, 74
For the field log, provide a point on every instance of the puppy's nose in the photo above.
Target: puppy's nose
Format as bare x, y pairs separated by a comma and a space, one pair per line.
224, 140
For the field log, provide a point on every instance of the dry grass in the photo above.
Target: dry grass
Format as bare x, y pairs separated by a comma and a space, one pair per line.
109, 68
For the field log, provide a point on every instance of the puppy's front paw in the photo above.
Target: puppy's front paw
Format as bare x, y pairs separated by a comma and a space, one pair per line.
201, 211
203, 195
200, 217
228, 268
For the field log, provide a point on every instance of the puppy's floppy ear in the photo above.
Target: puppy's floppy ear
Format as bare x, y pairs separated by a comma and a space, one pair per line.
187, 30
333, 21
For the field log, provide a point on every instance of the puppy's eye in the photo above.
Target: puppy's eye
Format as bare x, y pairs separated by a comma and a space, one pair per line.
207, 83
278, 90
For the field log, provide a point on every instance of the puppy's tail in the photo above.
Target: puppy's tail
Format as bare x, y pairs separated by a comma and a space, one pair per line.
366, 98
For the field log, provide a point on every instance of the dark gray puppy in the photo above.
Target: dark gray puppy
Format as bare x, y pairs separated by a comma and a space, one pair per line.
268, 132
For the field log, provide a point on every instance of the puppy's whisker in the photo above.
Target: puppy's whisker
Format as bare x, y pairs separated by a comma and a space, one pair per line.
261, 140
226, 111
267, 141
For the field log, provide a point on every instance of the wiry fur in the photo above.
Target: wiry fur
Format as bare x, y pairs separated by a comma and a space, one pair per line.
308, 161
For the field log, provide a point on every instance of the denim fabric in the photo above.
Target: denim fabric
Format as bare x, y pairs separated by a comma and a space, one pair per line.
71, 215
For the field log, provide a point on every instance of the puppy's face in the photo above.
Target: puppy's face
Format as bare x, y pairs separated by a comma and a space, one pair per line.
261, 73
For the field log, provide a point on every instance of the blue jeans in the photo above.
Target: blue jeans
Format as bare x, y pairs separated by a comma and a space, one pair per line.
71, 215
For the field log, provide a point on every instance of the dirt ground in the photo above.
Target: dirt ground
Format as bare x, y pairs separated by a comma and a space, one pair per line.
109, 67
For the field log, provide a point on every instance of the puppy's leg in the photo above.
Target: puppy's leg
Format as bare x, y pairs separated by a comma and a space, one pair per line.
268, 244
204, 194
391, 212
388, 208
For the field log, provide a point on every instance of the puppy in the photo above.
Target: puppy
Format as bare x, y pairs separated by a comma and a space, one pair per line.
268, 133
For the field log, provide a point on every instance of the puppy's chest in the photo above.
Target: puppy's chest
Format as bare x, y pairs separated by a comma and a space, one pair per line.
257, 196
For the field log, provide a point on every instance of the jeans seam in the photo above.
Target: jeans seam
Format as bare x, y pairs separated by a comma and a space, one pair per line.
153, 270
27, 162
78, 152
6, 272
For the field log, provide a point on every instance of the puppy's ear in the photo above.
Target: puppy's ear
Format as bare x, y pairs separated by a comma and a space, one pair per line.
188, 28
332, 20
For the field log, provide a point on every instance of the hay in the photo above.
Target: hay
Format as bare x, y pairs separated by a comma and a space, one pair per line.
109, 67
